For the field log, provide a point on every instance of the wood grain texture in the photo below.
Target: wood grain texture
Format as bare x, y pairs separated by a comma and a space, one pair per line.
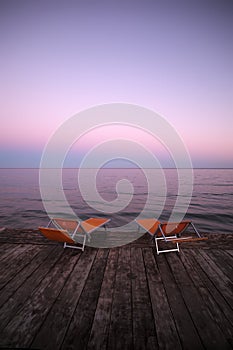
120, 298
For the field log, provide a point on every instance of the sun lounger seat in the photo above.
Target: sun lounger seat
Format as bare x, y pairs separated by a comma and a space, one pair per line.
57, 235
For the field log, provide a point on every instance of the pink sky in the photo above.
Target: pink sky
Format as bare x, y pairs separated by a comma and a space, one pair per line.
58, 59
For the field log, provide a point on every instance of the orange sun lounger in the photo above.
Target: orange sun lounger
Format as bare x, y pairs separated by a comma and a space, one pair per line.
169, 232
67, 231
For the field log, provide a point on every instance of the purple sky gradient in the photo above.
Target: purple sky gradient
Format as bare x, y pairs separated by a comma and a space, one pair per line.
60, 57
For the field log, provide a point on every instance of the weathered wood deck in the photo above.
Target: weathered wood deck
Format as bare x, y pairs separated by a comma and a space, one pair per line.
119, 298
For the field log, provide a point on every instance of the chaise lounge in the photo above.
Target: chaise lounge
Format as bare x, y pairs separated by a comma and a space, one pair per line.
170, 233
68, 231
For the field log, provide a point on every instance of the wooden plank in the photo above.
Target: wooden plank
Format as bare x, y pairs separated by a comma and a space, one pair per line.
23, 237
223, 260
16, 302
167, 335
55, 326
115, 314
221, 281
195, 274
152, 344
23, 327
18, 259
79, 330
208, 330
15, 251
184, 323
120, 333
210, 285
143, 322
30, 266
5, 250
230, 252
100, 327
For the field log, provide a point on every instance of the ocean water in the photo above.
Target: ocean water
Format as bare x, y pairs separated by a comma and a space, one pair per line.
120, 195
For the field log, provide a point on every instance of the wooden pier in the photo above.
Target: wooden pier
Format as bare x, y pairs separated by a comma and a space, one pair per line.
119, 298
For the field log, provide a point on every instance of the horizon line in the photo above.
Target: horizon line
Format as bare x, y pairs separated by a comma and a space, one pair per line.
132, 168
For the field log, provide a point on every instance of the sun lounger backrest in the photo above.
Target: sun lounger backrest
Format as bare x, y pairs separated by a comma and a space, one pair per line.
174, 228
65, 224
92, 224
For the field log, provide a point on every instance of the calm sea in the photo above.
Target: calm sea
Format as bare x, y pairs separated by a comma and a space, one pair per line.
210, 208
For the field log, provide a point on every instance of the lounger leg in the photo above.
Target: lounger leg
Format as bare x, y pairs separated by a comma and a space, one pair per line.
177, 249
156, 244
84, 242
50, 222
77, 247
198, 234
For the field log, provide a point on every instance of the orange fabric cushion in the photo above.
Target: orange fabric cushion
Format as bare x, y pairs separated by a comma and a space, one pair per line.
56, 235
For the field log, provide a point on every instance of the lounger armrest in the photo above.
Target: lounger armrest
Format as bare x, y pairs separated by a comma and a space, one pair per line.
187, 239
